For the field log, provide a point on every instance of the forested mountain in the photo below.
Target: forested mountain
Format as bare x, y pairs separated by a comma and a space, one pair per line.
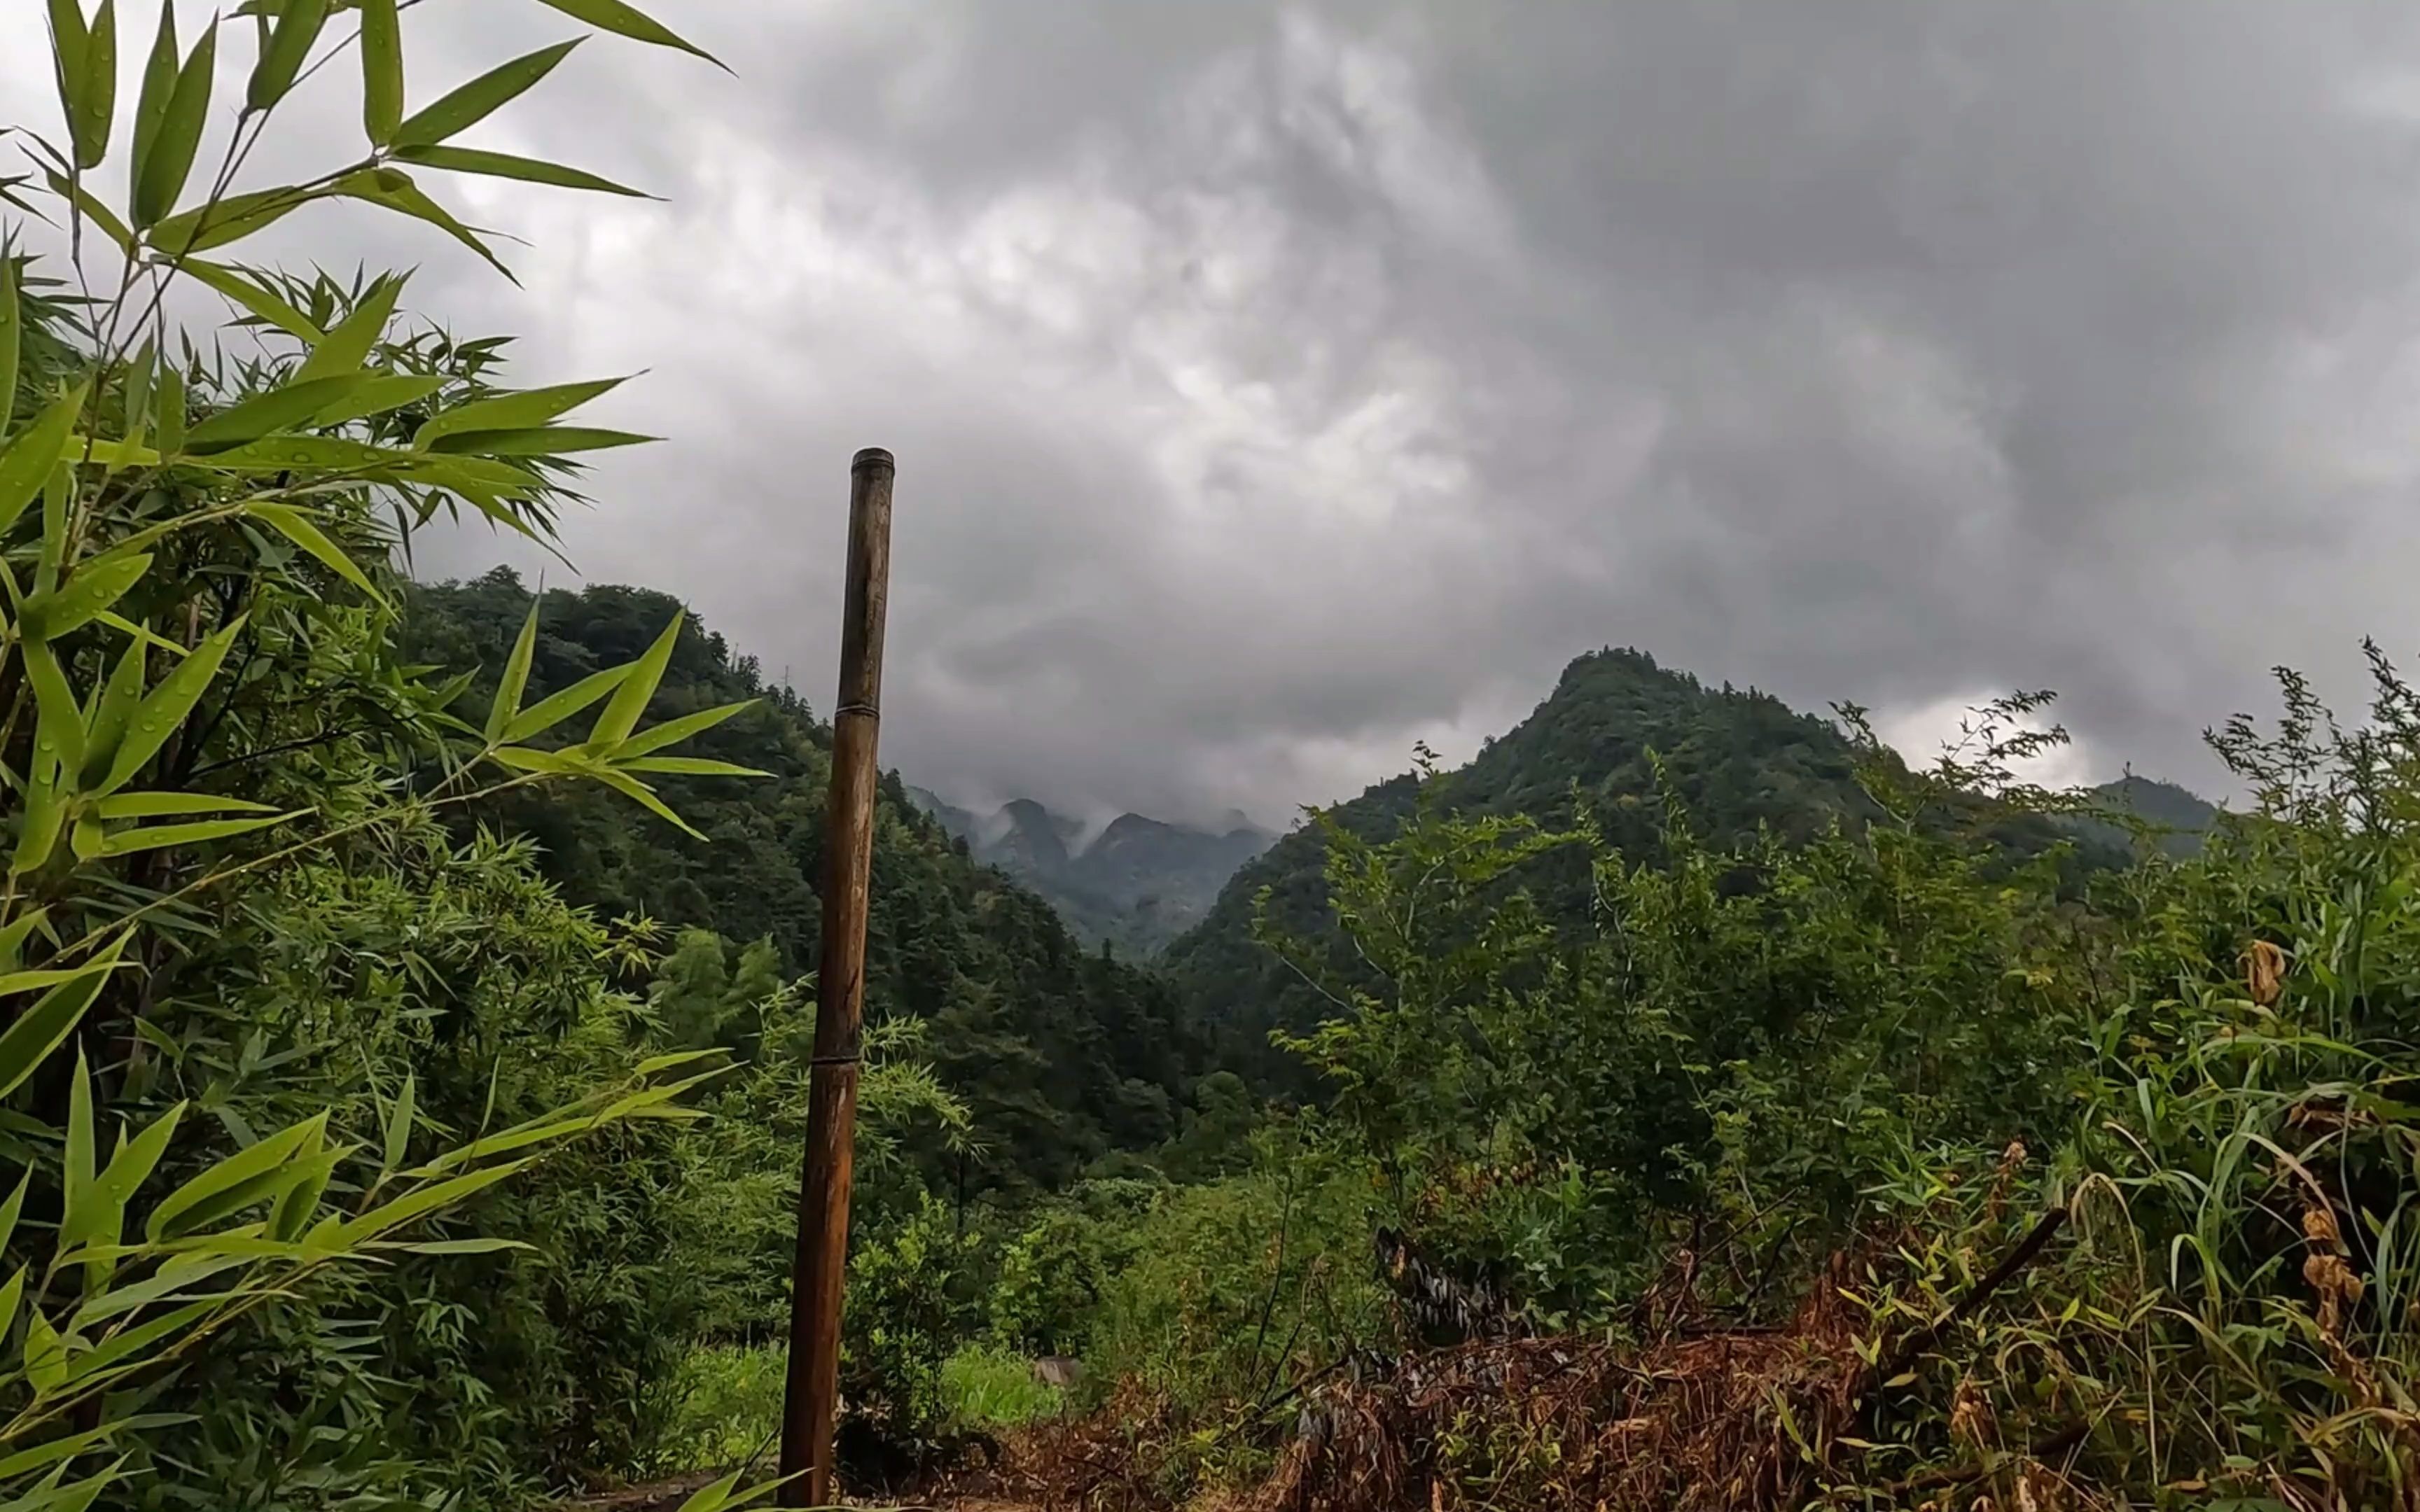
1137, 885
1739, 759
1062, 1053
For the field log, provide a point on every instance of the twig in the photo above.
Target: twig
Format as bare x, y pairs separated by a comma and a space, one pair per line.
2028, 1250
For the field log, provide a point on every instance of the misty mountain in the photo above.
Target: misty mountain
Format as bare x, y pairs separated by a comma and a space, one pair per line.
1138, 884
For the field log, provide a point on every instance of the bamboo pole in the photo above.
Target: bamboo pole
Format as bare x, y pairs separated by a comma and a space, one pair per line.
812, 1394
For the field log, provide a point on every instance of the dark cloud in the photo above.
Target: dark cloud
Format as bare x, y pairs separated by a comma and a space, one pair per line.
1275, 385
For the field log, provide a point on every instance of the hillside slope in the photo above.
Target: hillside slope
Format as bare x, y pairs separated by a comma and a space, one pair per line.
1739, 759
1063, 1055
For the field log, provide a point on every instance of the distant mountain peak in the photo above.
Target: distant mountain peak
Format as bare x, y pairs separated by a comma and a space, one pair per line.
1137, 881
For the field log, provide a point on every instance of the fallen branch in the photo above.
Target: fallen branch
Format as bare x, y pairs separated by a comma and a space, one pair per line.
2027, 1251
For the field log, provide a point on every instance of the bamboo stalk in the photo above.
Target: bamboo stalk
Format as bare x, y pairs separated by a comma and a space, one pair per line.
812, 1399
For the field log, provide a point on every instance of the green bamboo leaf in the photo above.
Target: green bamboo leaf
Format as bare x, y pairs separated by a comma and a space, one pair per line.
26, 981
12, 954
71, 46
379, 396
522, 759
545, 441
507, 701
247, 1177
631, 700
159, 837
472, 102
112, 714
97, 585
84, 836
672, 731
66, 1446
264, 414
140, 373
157, 642
85, 60
27, 463
626, 21
144, 1336
399, 1124
160, 714
298, 1203
169, 410
421, 1201
349, 341
296, 527
165, 805
132, 1165
11, 1295
46, 811
163, 162
59, 723
393, 189
14, 1209
12, 330
289, 43
46, 1353
639, 792
381, 72
458, 1246
77, 1496
101, 216
505, 166
513, 411
40, 1028
686, 767
232, 219
556, 707
256, 299
82, 1213
58, 506
151, 106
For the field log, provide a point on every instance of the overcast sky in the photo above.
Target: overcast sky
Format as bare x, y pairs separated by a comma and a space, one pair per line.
1276, 385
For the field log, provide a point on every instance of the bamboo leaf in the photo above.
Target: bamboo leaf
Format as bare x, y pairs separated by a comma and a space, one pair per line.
112, 714
59, 725
160, 714
459, 1246
296, 527
164, 161
399, 1124
688, 767
672, 731
97, 585
505, 166
168, 407
631, 700
639, 792
159, 837
232, 219
254, 298
545, 441
289, 43
298, 1203
422, 1201
26, 465
100, 100
39, 1029
77, 1219
12, 951
151, 105
393, 189
556, 707
513, 411
165, 805
474, 101
13, 1208
71, 46
11, 1295
626, 21
522, 759
238, 1181
348, 345
12, 328
381, 72
46, 1353
379, 395
46, 811
507, 701
136, 399
133, 1164
264, 414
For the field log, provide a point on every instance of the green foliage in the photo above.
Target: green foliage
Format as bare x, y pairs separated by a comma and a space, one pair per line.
987, 1387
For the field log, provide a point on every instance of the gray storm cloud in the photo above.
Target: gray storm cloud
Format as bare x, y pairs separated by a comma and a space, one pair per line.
1276, 385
